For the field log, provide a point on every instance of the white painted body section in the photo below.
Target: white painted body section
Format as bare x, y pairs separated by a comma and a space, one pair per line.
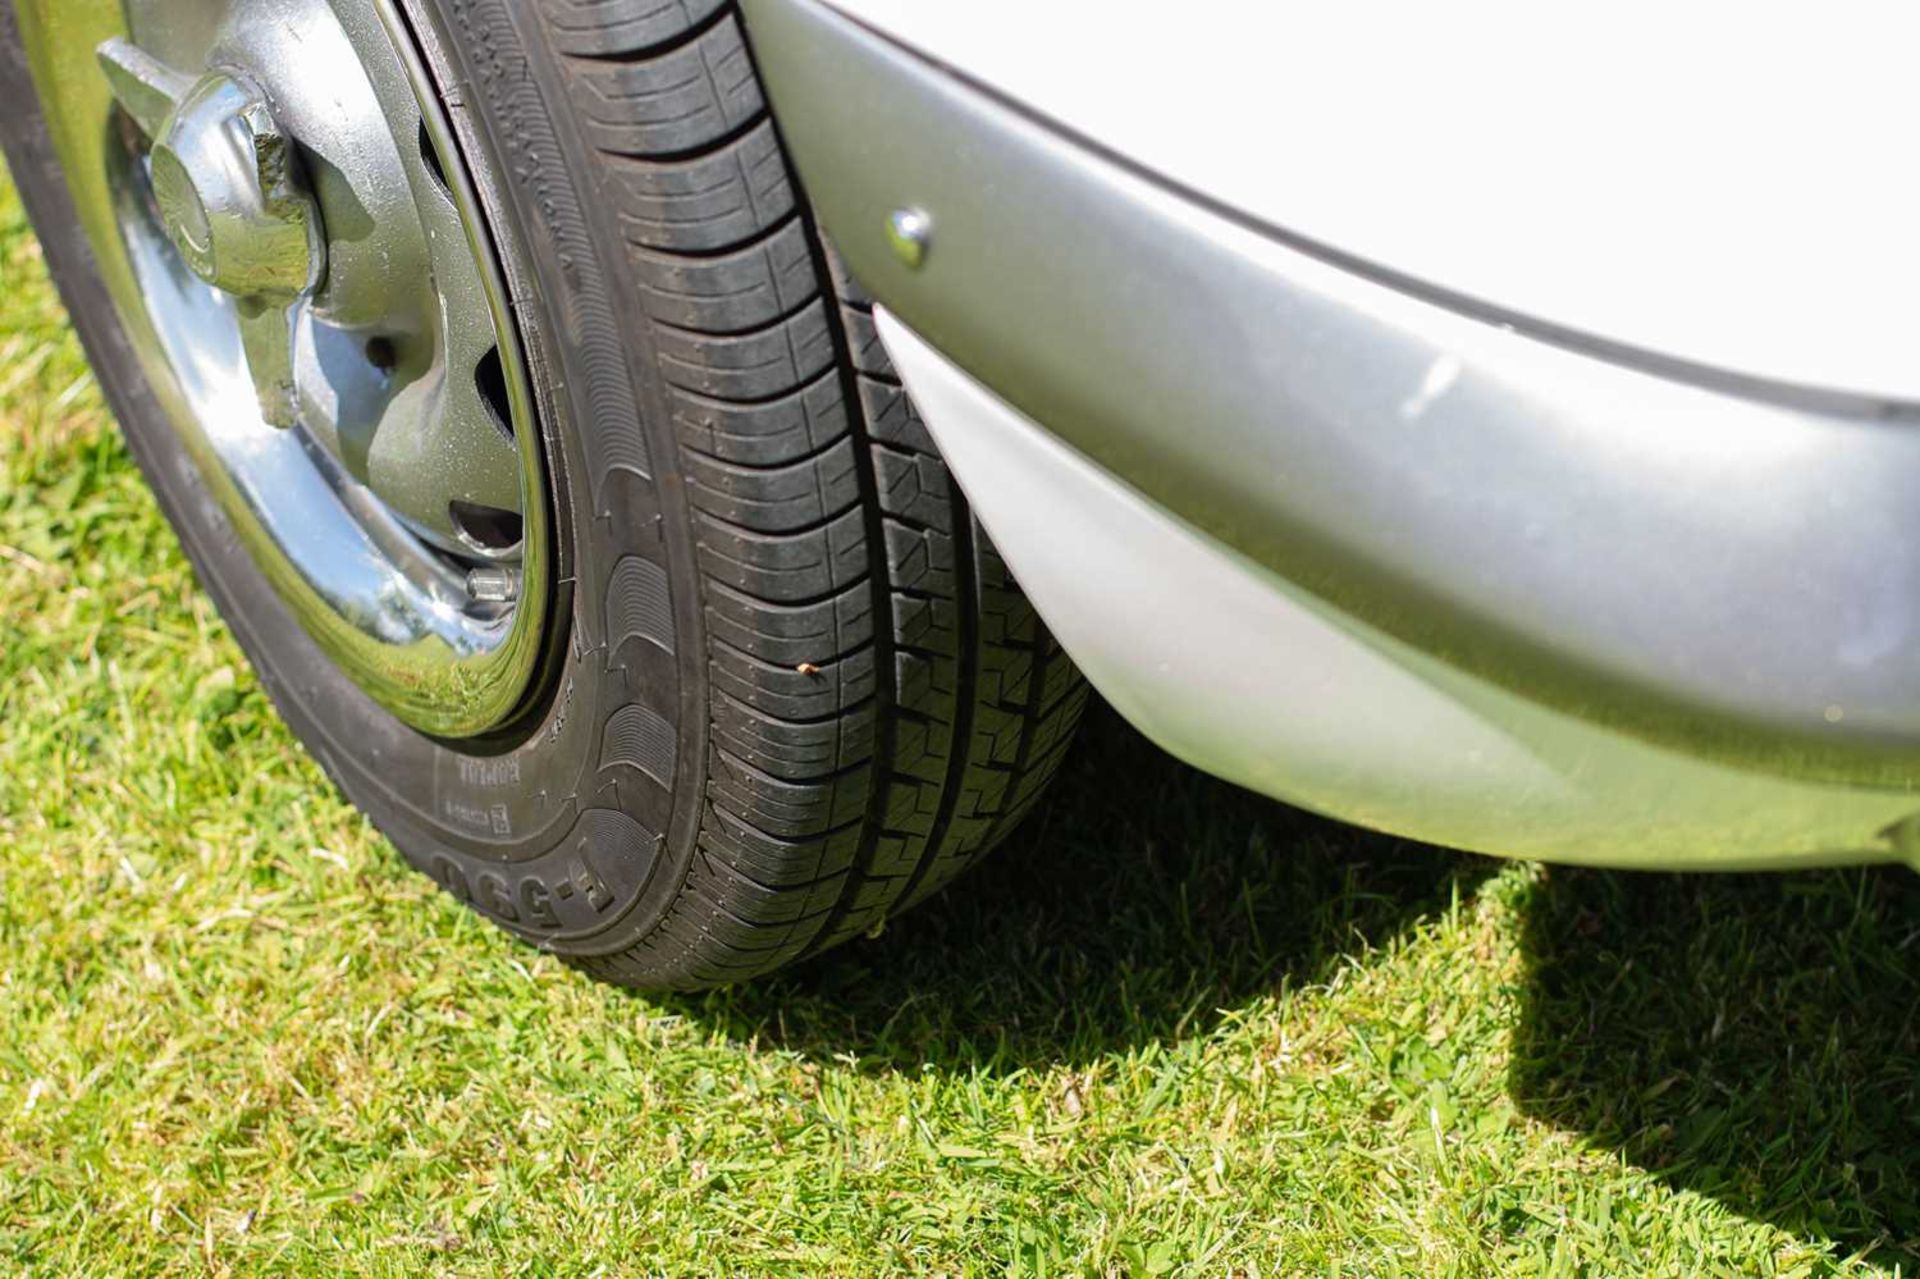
1237, 672
1730, 185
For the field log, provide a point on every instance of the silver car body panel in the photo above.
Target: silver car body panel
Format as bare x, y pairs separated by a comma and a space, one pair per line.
1243, 674
1708, 180
1720, 571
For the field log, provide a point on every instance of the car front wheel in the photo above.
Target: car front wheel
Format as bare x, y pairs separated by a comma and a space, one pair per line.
490, 365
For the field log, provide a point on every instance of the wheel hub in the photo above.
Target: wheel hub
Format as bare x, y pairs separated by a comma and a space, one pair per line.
309, 273
231, 203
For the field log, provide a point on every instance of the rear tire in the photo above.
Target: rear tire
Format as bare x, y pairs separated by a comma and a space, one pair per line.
794, 689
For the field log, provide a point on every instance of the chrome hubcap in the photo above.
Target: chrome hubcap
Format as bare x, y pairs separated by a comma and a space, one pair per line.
306, 268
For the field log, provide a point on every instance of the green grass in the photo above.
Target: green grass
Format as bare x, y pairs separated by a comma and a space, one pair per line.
1171, 1029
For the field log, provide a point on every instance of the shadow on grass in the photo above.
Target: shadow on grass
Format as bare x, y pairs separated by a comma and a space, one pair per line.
1142, 898
1752, 1038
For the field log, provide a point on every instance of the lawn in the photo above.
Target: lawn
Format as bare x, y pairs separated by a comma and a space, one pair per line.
1171, 1029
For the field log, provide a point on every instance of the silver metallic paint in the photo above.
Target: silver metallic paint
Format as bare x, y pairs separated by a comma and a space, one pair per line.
1240, 672
1723, 574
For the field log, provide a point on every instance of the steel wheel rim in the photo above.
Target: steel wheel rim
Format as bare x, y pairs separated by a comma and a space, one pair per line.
402, 513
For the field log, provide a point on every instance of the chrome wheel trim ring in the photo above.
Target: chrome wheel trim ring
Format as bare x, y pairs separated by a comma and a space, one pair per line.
403, 518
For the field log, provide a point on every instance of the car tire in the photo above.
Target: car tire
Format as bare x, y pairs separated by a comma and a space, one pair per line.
790, 689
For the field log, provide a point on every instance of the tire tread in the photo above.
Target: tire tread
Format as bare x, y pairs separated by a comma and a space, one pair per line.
855, 767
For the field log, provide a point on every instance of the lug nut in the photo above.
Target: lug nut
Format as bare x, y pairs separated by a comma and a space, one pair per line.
231, 203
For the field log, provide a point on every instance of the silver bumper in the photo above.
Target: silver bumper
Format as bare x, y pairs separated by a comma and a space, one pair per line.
1691, 568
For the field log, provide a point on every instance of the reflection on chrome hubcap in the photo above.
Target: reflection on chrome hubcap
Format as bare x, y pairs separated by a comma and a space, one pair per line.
281, 213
